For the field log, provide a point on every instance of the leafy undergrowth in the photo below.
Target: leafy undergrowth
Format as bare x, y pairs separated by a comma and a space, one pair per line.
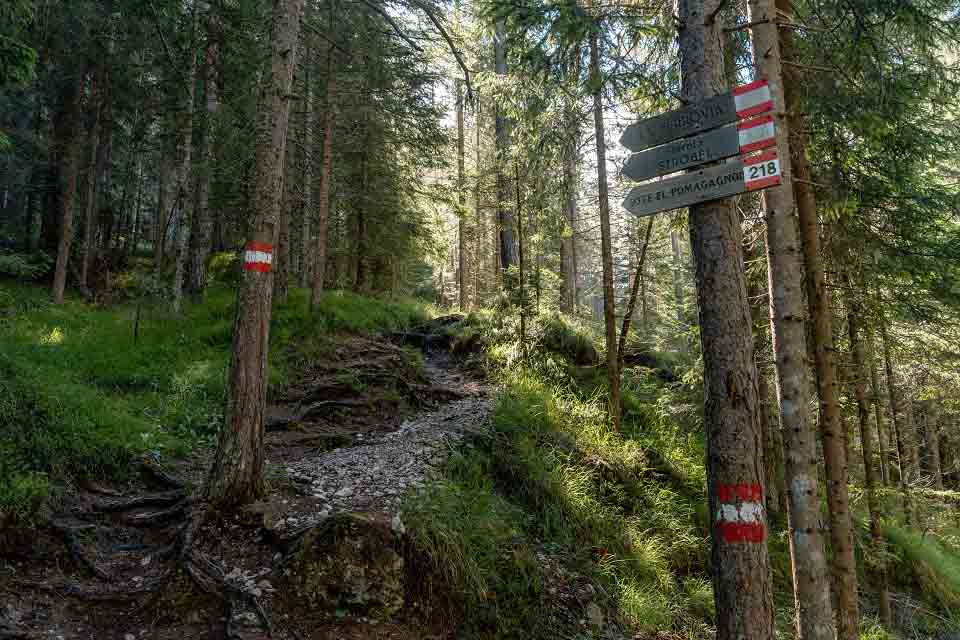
626, 509
553, 479
84, 389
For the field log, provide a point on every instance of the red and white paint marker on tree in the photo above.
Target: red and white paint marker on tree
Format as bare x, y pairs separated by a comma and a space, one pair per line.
758, 133
258, 256
740, 516
752, 99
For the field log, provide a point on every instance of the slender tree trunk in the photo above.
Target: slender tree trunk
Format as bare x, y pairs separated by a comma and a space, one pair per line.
677, 272
831, 422
90, 217
326, 175
502, 126
878, 410
461, 198
523, 290
236, 476
854, 313
811, 577
569, 151
606, 247
69, 137
632, 302
741, 569
201, 238
281, 263
933, 443
306, 219
895, 421
182, 200
162, 219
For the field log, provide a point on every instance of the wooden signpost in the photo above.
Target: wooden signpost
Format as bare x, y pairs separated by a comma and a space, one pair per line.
699, 135
711, 146
743, 102
720, 181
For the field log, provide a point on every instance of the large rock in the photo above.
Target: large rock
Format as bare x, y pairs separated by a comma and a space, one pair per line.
349, 563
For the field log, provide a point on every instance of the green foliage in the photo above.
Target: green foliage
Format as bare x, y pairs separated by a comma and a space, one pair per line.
927, 564
25, 266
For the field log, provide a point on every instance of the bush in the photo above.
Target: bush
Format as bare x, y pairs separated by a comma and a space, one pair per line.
32, 266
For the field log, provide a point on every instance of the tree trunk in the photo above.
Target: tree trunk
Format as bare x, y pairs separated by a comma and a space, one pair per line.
741, 570
323, 194
182, 200
606, 247
461, 197
811, 577
878, 411
306, 183
502, 126
895, 421
90, 216
69, 138
933, 443
831, 423
677, 271
162, 220
236, 476
632, 302
201, 238
854, 313
569, 151
281, 262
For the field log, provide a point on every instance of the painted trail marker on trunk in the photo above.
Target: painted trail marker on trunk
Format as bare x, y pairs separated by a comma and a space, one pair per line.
710, 146
743, 102
720, 181
258, 256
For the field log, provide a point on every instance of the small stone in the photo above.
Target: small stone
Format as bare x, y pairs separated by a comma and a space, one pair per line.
595, 614
129, 636
265, 585
146, 561
346, 492
396, 524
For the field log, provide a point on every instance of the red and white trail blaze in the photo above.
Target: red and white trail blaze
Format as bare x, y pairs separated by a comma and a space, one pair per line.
756, 134
258, 256
761, 171
740, 516
752, 99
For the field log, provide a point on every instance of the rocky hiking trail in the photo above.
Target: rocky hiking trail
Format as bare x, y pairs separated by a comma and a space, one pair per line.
322, 555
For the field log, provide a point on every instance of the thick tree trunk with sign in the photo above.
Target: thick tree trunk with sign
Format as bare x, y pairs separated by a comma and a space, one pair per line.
741, 570
606, 246
854, 313
832, 429
236, 476
811, 576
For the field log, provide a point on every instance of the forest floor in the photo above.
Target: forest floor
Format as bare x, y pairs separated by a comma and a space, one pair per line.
322, 555
426, 479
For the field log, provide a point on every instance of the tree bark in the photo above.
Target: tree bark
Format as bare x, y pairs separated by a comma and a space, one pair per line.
606, 247
878, 410
323, 194
461, 198
236, 476
502, 127
632, 302
306, 218
162, 220
90, 216
281, 262
811, 577
201, 237
735, 465
182, 200
69, 137
933, 443
854, 313
831, 423
570, 151
896, 422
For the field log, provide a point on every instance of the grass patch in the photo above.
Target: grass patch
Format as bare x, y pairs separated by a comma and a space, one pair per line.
80, 396
924, 563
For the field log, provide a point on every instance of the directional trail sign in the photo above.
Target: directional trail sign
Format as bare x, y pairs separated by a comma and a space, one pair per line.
720, 181
717, 144
743, 102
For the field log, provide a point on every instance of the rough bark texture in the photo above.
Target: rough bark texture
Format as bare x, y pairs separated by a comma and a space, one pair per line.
306, 157
201, 237
281, 254
502, 128
859, 374
811, 577
741, 570
323, 194
183, 203
163, 219
236, 476
69, 137
831, 422
606, 246
568, 251
461, 199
